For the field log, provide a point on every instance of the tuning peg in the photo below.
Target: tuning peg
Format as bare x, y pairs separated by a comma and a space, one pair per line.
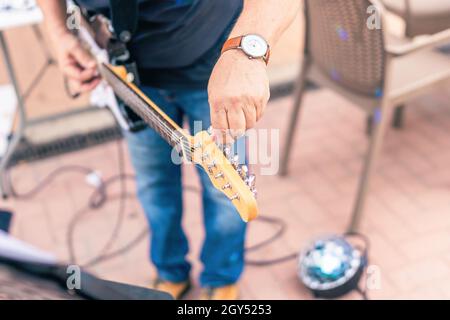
227, 151
243, 171
235, 197
235, 161
255, 192
220, 175
211, 166
227, 186
250, 181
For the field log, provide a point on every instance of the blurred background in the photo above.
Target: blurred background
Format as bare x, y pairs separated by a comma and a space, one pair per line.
405, 212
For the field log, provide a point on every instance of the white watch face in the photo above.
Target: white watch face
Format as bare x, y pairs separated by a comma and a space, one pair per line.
254, 46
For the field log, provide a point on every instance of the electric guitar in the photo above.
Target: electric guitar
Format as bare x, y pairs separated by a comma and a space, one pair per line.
225, 174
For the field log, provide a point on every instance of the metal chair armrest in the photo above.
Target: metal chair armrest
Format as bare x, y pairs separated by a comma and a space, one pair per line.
428, 42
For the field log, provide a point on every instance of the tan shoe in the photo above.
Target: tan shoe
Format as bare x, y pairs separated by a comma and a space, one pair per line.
230, 292
175, 289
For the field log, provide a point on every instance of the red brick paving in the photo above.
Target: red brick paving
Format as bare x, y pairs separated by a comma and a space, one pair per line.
407, 217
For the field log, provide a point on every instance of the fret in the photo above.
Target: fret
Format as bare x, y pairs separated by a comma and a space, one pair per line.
150, 115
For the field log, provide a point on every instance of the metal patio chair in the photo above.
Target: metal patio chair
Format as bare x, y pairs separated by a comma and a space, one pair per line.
368, 67
421, 16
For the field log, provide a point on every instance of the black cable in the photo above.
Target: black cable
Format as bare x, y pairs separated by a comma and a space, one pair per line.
100, 196
363, 293
121, 209
281, 230
46, 181
365, 253
96, 201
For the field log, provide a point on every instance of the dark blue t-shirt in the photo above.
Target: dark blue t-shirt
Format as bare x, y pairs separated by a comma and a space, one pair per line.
178, 41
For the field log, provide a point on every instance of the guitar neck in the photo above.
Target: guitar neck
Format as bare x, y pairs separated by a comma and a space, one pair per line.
147, 110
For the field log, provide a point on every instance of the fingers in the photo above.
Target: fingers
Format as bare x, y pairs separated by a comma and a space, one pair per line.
85, 79
230, 123
236, 121
219, 123
75, 72
261, 105
83, 57
83, 87
251, 116
90, 85
77, 63
240, 87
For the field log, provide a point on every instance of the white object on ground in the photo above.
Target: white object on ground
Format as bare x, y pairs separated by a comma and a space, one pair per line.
94, 179
12, 248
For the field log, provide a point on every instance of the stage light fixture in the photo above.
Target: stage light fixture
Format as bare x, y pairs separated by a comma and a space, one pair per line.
331, 266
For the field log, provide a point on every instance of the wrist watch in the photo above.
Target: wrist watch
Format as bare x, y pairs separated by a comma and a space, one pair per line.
253, 45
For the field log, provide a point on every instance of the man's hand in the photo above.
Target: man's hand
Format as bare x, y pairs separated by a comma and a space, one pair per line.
239, 87
75, 62
238, 94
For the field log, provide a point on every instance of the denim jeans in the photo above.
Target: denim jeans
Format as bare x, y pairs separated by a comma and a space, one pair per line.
160, 193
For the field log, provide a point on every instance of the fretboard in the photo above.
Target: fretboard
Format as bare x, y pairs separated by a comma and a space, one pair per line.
147, 110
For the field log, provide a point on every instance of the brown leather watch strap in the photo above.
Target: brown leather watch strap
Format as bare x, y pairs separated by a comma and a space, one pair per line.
235, 43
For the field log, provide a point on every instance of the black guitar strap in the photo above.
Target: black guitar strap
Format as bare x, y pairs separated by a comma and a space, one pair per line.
124, 18
124, 21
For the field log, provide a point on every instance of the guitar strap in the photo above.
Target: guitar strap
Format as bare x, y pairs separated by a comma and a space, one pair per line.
124, 22
123, 25
124, 18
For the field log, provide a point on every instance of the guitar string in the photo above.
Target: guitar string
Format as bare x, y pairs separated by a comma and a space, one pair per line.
167, 132
172, 134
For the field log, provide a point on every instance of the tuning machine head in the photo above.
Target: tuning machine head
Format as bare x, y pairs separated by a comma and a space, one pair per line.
227, 151
250, 180
235, 161
254, 191
243, 171
226, 173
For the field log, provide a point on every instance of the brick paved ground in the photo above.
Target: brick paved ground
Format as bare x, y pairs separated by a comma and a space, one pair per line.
407, 218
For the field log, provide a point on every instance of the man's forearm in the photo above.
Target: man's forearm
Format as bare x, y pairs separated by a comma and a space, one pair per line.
55, 13
268, 18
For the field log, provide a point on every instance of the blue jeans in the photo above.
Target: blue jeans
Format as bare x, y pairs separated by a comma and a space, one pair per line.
160, 193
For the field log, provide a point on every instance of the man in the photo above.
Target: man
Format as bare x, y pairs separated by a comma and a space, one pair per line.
177, 48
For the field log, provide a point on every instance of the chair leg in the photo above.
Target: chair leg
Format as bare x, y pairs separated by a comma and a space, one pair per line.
369, 125
286, 153
398, 117
381, 123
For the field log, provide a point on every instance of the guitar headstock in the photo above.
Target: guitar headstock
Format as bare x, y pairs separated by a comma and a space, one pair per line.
226, 175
